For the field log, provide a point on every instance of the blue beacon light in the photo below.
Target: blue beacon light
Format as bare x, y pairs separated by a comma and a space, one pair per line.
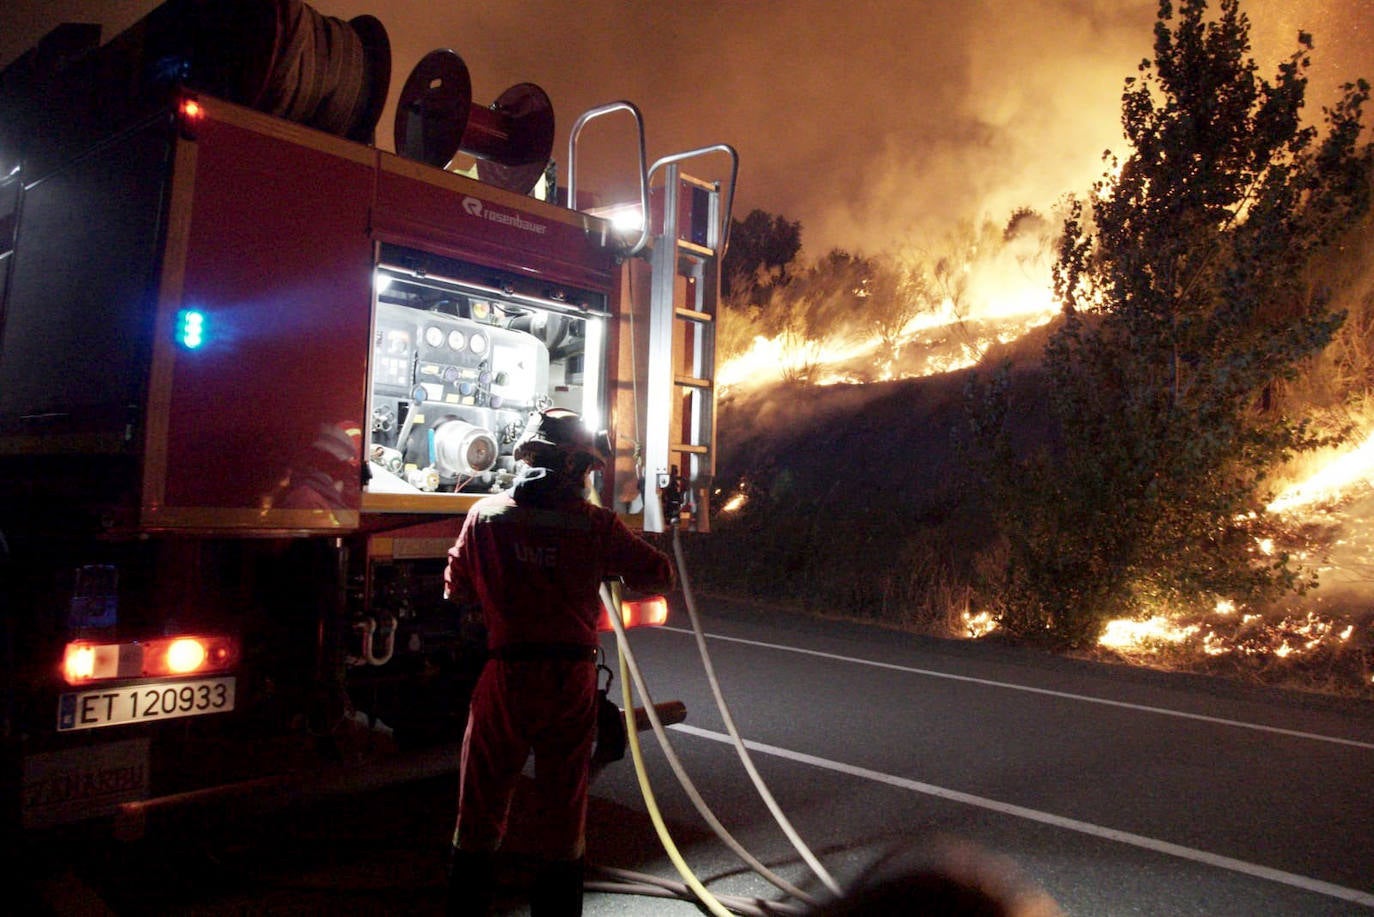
190, 328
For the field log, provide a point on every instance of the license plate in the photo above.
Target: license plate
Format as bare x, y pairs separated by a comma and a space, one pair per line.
89, 780
145, 703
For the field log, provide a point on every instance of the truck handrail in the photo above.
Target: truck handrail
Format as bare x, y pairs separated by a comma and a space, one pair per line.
723, 232
598, 111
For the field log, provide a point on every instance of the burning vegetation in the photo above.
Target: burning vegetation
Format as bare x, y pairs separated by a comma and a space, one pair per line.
1140, 426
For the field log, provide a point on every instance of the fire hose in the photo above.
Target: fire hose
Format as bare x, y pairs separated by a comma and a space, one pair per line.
630, 671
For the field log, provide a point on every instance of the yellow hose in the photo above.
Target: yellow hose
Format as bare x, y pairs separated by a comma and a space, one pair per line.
701, 891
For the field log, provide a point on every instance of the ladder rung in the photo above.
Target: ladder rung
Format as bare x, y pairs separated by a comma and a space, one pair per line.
691, 449
691, 248
693, 181
692, 315
692, 382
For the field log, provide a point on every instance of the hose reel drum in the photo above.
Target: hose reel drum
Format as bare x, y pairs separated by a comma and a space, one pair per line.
436, 120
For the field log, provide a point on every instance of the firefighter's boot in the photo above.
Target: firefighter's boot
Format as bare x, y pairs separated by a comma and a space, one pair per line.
558, 890
470, 884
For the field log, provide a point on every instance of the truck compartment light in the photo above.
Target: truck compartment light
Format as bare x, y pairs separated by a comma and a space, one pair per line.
199, 654
591, 372
626, 218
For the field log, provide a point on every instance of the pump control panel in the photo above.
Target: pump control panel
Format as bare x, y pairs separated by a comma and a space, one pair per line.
462, 358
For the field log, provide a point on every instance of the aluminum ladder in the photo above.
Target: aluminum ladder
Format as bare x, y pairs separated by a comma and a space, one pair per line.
685, 263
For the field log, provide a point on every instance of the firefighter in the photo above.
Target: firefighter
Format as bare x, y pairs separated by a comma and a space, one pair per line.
535, 558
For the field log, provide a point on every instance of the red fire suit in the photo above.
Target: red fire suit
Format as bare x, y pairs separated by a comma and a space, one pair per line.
535, 559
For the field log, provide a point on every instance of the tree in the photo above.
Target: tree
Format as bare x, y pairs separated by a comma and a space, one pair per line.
830, 294
1182, 282
894, 294
813, 307
762, 246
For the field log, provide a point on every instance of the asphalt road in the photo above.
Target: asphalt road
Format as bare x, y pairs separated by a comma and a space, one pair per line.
1108, 790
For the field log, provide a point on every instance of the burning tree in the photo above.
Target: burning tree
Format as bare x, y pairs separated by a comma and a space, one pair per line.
762, 248
1185, 305
893, 293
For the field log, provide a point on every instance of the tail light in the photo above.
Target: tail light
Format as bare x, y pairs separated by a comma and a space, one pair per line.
646, 612
160, 657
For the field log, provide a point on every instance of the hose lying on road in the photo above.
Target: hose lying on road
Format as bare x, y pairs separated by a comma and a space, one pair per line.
804, 851
625, 881
630, 672
675, 762
708, 900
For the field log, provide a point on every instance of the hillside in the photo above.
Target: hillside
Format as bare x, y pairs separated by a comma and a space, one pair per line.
857, 506
891, 442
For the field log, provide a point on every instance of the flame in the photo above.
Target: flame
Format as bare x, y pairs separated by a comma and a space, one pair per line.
770, 360
979, 624
1000, 303
1123, 632
1009, 304
1345, 471
1285, 637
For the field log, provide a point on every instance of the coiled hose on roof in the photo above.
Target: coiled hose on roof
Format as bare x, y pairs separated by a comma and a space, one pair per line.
285, 58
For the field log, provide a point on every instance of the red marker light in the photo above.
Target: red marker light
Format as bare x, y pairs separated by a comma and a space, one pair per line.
647, 612
80, 663
190, 113
650, 612
189, 655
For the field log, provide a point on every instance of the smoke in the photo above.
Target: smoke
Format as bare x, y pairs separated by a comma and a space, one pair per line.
873, 124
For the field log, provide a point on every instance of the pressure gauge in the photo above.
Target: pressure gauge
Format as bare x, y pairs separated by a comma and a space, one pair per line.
456, 341
434, 336
479, 343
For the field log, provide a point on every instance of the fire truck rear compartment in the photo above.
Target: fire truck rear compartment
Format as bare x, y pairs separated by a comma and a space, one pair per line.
462, 357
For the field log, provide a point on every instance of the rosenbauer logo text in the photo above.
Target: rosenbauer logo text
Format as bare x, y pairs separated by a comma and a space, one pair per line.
476, 208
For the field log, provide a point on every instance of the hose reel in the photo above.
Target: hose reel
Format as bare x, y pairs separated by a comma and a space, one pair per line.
285, 58
436, 119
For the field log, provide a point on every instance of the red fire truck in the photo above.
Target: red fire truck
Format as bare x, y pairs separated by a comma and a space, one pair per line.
254, 369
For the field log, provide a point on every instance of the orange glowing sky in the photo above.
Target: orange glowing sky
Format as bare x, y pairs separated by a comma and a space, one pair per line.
870, 123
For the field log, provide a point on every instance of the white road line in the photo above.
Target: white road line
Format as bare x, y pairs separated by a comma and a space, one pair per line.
1163, 711
1255, 870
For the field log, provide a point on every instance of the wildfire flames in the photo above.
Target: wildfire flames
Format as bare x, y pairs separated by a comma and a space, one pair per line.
1011, 305
1316, 501
1340, 475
